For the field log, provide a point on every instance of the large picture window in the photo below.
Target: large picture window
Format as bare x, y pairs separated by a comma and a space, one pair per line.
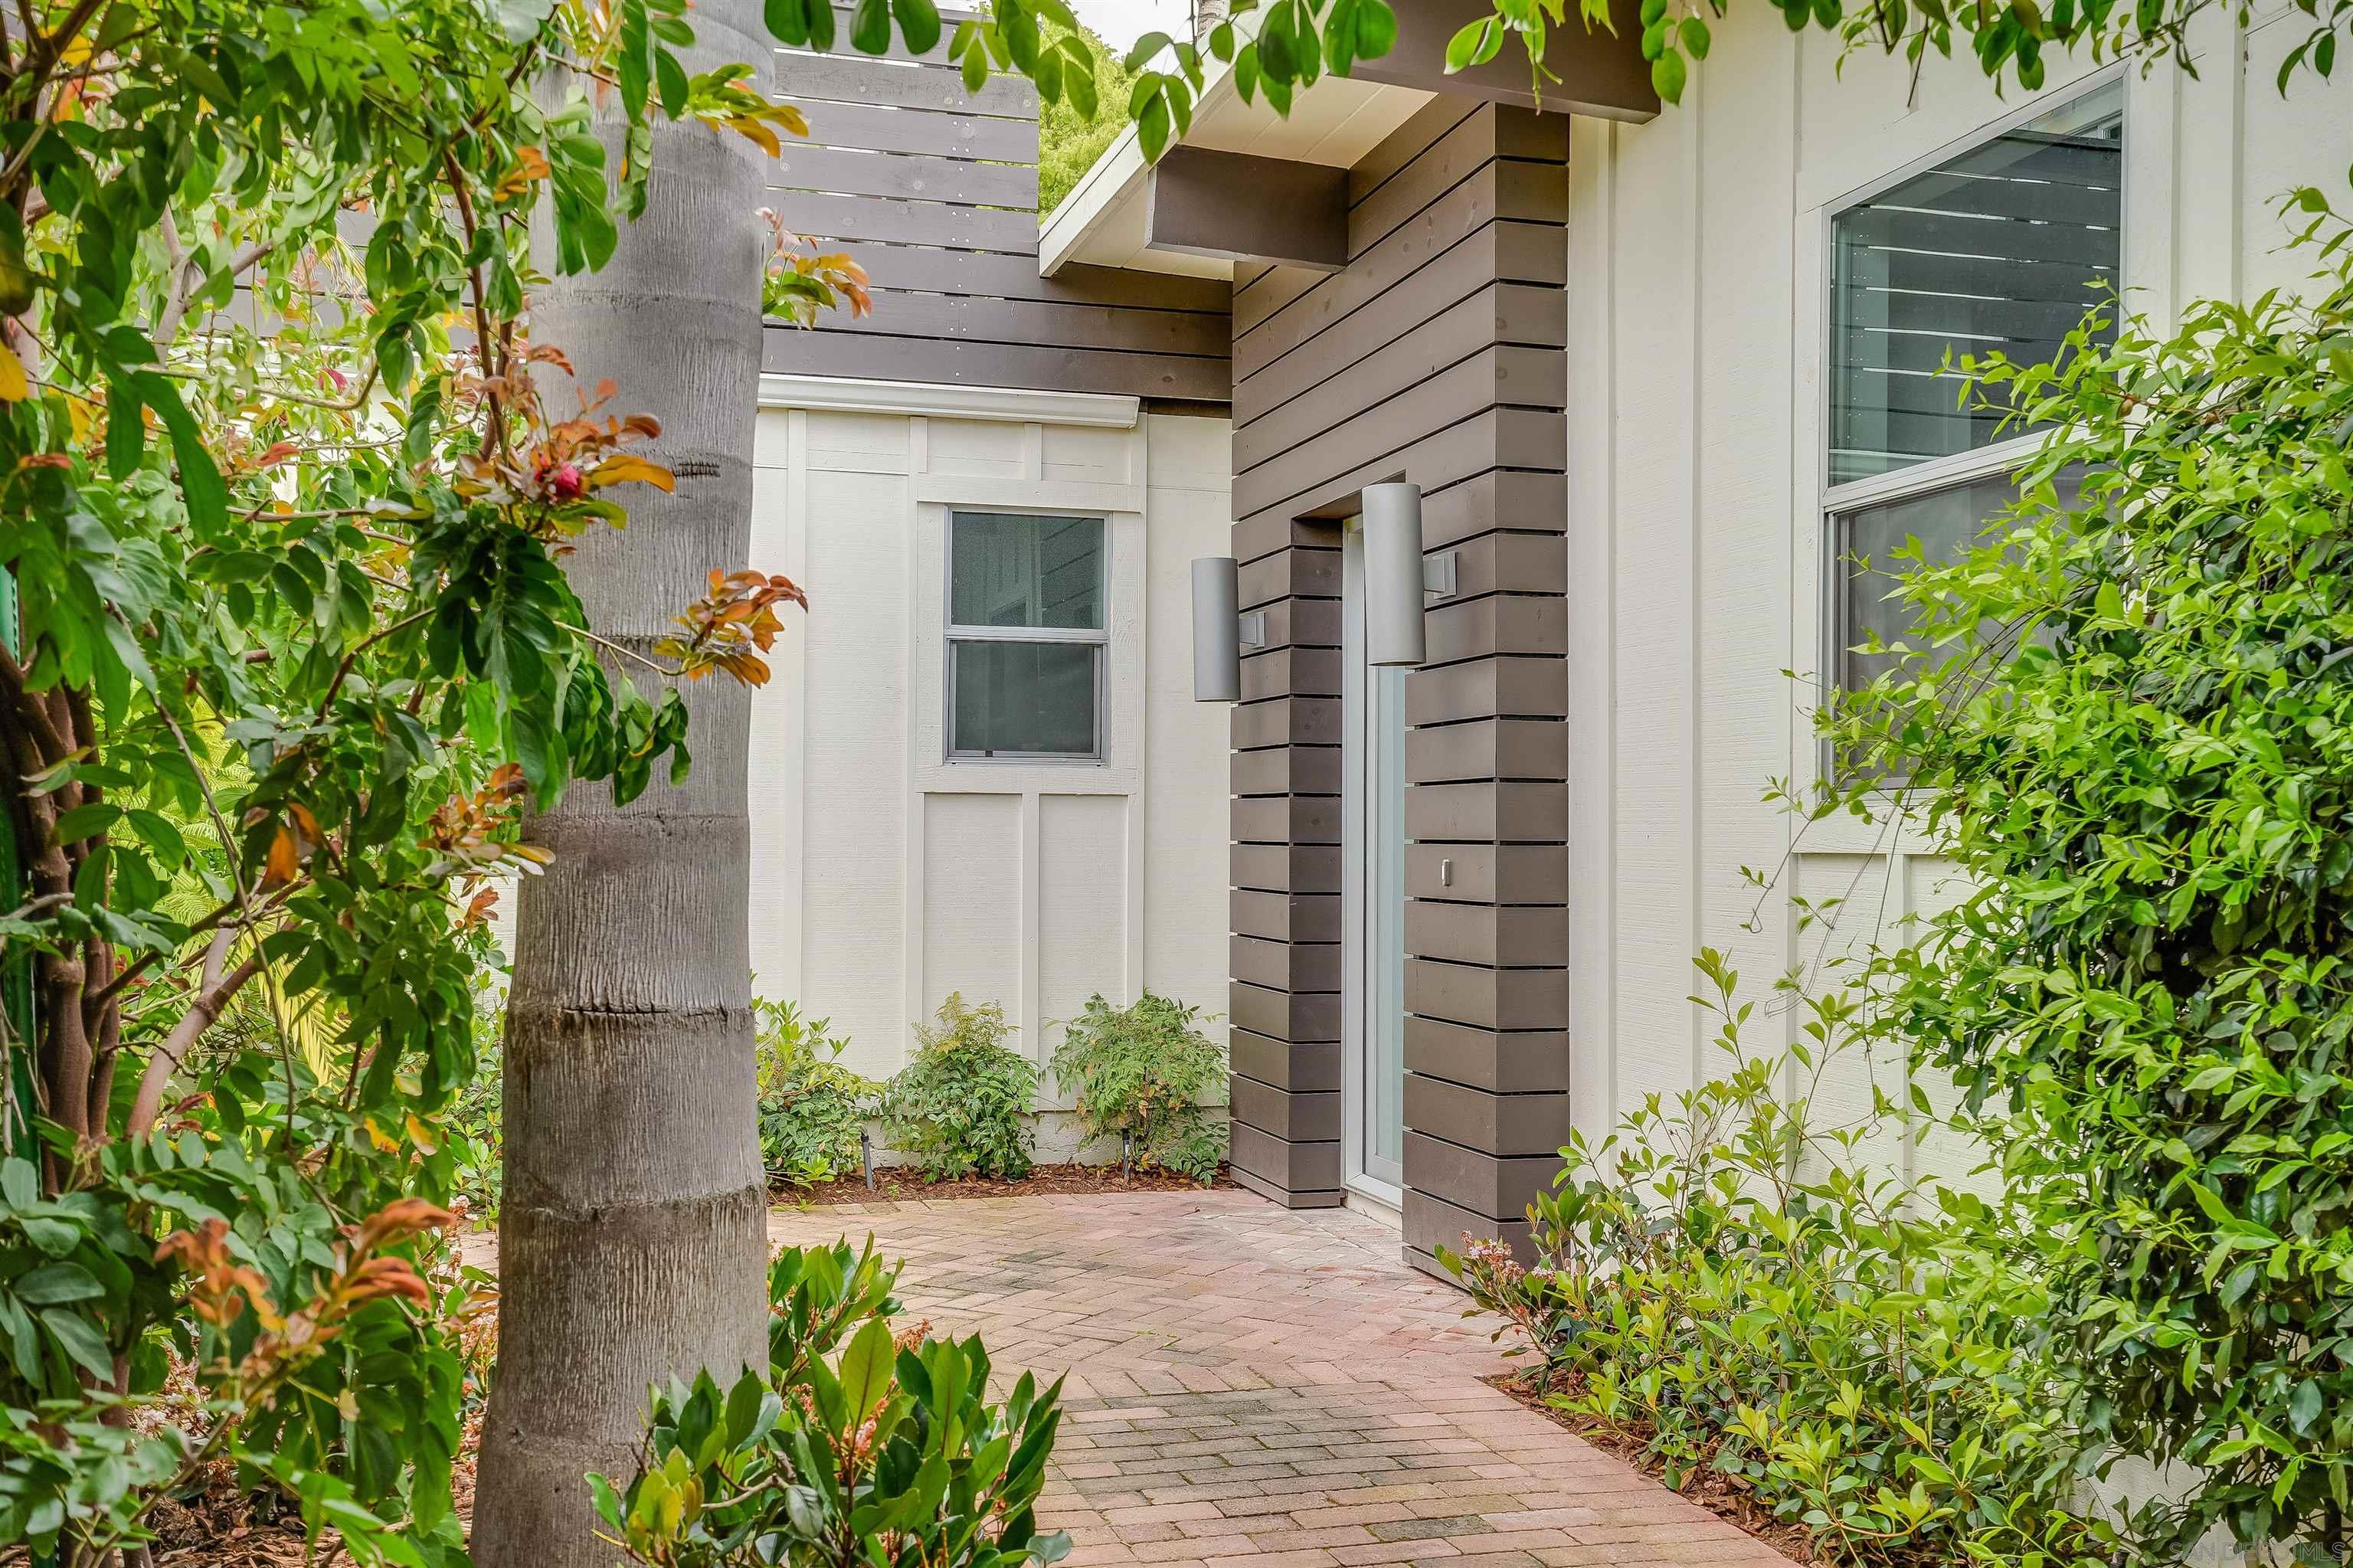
1027, 636
2002, 246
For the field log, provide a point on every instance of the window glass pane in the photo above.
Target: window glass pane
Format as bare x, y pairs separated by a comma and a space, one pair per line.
1024, 697
1013, 570
1384, 893
1947, 524
2000, 246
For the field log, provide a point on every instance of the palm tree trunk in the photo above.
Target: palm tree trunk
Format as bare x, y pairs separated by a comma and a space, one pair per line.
632, 1245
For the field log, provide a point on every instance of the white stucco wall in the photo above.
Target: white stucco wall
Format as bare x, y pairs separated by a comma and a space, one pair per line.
885, 875
1698, 282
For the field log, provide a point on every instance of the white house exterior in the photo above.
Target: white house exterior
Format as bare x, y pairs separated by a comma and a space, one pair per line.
888, 873
1704, 553
1657, 372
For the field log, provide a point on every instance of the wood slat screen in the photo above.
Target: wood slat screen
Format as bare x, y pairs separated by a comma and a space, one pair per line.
935, 191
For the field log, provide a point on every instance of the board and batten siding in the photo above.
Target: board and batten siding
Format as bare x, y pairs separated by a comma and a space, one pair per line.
886, 875
1698, 289
934, 192
1435, 356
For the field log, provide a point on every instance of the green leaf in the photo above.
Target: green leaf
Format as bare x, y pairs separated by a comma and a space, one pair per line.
83, 1343
1667, 73
743, 1401
85, 822
788, 21
54, 1283
200, 477
1079, 88
869, 26
126, 428
1472, 43
521, 19
670, 82
1152, 127
866, 1367
161, 835
919, 24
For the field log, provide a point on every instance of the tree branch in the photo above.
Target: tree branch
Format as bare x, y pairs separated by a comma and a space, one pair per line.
200, 1016
32, 712
360, 647
176, 308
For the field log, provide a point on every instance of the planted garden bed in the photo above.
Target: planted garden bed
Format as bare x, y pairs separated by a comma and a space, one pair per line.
896, 1184
1709, 1488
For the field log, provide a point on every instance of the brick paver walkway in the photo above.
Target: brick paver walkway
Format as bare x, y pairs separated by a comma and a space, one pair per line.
1255, 1388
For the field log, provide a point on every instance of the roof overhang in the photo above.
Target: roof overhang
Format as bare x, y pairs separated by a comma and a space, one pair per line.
1108, 220
1105, 220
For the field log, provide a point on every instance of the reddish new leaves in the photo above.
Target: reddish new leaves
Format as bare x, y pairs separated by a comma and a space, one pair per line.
732, 626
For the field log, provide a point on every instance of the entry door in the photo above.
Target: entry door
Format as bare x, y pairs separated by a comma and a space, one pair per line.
1372, 1096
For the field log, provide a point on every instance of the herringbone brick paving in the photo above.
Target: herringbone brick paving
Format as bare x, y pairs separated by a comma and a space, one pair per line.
1252, 1387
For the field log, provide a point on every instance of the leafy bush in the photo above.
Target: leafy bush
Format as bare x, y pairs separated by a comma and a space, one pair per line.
1730, 1284
887, 1453
2147, 783
962, 1107
1142, 1071
811, 1107
316, 1358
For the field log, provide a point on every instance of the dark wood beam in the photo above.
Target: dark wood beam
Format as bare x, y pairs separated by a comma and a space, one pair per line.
1239, 207
1600, 74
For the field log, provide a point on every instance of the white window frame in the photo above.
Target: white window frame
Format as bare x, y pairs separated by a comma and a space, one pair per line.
1840, 501
1098, 638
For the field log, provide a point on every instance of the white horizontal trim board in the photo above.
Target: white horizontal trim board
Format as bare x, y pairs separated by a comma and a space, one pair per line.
937, 399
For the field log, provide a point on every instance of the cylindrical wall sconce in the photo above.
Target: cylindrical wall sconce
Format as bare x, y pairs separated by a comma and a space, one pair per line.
1217, 631
1393, 575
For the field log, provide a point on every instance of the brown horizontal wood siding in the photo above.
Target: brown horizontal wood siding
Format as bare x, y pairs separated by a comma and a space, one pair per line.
1436, 355
934, 192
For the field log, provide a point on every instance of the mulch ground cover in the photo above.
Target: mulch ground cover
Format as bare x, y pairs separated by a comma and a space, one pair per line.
894, 1184
1718, 1494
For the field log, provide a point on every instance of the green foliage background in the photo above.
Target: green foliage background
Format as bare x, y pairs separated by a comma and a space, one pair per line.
1068, 141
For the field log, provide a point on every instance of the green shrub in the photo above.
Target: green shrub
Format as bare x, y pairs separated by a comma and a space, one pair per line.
2147, 784
1734, 1286
962, 1107
811, 1107
1142, 1071
885, 1453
